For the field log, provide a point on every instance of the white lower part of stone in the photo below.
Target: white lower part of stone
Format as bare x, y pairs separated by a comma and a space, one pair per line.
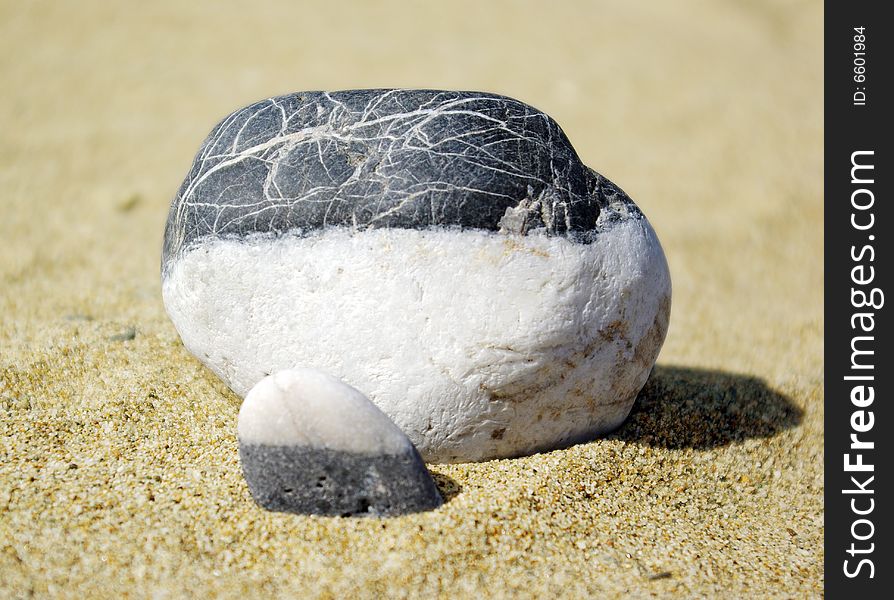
477, 345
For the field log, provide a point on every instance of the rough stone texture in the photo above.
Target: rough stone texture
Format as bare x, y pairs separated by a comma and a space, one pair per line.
332, 482
385, 158
445, 252
310, 444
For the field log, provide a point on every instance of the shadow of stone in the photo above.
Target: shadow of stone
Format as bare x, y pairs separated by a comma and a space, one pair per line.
448, 486
681, 407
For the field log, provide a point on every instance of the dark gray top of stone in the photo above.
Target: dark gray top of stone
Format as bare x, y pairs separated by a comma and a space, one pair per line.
386, 158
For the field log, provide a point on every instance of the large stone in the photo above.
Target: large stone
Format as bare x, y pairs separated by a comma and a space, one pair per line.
311, 444
447, 253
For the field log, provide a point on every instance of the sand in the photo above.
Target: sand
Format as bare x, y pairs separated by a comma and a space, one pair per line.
119, 473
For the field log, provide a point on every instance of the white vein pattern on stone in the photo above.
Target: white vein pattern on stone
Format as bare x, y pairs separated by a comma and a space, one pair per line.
447, 253
384, 158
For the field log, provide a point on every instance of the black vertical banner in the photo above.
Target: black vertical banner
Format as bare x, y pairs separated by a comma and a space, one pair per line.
859, 372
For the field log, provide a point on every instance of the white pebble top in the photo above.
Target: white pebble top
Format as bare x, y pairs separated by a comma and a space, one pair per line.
306, 407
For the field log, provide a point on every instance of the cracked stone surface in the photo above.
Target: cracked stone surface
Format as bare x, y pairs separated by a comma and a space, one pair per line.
385, 158
310, 444
447, 253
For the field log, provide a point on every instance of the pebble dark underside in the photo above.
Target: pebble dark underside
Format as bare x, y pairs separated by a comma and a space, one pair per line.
305, 480
385, 158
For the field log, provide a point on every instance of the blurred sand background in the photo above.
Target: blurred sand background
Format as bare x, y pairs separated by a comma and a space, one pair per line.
118, 459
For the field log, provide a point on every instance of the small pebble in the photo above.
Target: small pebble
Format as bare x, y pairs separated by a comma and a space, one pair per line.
129, 203
310, 444
125, 336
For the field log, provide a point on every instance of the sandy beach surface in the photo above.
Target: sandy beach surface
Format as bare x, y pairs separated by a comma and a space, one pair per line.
119, 473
